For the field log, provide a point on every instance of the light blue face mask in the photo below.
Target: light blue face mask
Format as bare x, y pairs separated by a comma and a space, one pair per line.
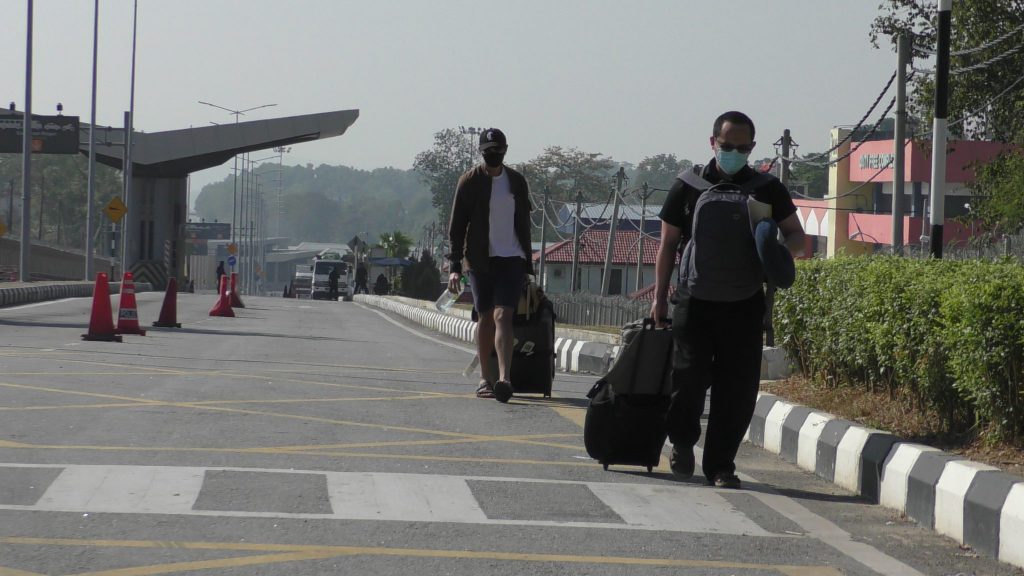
732, 161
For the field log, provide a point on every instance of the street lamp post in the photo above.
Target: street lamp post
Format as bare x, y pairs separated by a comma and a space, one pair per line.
234, 184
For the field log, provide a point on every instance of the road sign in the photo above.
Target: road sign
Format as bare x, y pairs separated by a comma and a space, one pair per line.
232, 248
50, 134
231, 260
115, 209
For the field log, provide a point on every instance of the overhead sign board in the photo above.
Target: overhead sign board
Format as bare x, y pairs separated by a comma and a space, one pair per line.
50, 134
208, 230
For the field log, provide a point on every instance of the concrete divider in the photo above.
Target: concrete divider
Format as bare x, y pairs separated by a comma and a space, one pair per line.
975, 504
30, 293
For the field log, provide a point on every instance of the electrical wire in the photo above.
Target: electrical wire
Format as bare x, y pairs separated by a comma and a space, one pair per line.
980, 48
986, 63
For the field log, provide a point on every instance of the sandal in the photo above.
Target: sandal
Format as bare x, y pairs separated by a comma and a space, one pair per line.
502, 391
485, 390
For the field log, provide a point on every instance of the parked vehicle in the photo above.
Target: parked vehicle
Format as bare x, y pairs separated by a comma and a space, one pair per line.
302, 284
322, 268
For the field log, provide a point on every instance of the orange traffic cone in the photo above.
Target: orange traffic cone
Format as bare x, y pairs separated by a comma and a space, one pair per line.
236, 300
127, 313
169, 311
223, 305
101, 323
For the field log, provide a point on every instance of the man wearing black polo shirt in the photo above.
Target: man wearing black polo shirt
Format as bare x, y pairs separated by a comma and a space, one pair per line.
718, 341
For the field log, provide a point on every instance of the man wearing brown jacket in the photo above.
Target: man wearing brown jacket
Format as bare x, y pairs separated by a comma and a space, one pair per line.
489, 234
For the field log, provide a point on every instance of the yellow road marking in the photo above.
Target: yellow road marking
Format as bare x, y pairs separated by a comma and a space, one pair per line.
148, 402
275, 451
13, 572
237, 562
289, 552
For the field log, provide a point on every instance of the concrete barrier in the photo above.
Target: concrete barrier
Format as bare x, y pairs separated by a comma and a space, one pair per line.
30, 293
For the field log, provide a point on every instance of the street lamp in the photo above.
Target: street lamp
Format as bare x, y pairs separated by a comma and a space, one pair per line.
234, 183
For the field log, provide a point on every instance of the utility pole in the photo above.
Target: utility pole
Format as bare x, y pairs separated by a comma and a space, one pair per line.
784, 165
576, 243
644, 194
939, 126
899, 142
129, 126
42, 197
10, 207
543, 236
620, 177
91, 191
26, 158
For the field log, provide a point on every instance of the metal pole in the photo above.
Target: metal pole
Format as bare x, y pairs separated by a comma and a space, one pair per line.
784, 165
42, 198
899, 142
129, 127
620, 177
939, 126
576, 243
26, 160
91, 194
640, 239
543, 236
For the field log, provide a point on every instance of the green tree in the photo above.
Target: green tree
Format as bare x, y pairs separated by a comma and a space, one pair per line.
810, 174
660, 170
998, 185
395, 244
441, 166
973, 94
60, 191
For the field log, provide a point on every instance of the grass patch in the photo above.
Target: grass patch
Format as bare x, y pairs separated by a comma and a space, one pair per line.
898, 414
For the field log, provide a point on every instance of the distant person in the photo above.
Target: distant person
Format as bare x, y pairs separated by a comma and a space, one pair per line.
489, 234
332, 283
361, 278
220, 273
381, 286
719, 309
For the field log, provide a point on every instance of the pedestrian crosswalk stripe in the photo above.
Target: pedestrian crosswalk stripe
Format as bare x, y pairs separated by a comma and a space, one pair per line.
381, 496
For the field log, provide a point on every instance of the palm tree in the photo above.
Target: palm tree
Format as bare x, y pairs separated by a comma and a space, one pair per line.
395, 244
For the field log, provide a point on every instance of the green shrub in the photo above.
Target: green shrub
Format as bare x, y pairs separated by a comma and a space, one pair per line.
948, 333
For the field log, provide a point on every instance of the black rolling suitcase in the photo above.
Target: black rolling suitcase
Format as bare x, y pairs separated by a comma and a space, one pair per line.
625, 422
533, 354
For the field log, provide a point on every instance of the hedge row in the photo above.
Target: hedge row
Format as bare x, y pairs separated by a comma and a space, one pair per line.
951, 333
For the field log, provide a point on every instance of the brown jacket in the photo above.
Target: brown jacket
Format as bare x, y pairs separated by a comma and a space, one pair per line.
469, 229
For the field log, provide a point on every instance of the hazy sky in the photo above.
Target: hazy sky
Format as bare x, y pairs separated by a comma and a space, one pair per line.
628, 79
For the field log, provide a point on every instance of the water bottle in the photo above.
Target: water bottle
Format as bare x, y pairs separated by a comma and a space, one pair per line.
448, 298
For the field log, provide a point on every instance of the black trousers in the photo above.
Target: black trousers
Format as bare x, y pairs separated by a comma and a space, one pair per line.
717, 346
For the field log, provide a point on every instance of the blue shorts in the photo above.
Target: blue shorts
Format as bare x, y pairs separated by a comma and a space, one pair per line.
500, 285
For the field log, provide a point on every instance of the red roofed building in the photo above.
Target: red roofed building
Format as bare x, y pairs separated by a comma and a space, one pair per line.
593, 247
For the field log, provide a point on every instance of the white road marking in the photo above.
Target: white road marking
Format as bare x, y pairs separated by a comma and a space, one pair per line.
416, 332
46, 303
385, 497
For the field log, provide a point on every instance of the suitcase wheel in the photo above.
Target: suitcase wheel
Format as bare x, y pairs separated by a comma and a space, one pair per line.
605, 467
548, 395
650, 469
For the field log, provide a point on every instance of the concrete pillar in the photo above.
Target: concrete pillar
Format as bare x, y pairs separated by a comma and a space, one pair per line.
842, 203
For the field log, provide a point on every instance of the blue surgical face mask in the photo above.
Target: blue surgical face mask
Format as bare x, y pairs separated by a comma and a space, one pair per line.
731, 161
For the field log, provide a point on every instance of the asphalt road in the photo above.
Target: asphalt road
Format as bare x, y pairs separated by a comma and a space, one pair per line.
326, 437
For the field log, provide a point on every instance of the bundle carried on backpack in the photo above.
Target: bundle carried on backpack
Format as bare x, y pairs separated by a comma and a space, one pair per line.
722, 260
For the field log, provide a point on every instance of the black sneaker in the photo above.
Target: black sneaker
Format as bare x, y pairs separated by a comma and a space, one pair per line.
503, 391
726, 480
681, 462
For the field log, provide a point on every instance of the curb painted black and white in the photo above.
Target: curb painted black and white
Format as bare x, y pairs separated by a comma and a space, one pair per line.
44, 292
975, 504
571, 355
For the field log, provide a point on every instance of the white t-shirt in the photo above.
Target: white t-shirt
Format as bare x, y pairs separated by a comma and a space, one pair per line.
503, 241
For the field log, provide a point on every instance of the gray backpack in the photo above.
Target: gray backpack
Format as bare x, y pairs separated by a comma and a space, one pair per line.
720, 261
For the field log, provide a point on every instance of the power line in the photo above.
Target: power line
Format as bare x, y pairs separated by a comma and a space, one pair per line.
976, 49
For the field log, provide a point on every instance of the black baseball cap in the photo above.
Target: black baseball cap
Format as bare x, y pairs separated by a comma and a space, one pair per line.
492, 138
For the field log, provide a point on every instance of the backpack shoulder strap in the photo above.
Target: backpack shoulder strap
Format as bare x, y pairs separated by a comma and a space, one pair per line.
694, 178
